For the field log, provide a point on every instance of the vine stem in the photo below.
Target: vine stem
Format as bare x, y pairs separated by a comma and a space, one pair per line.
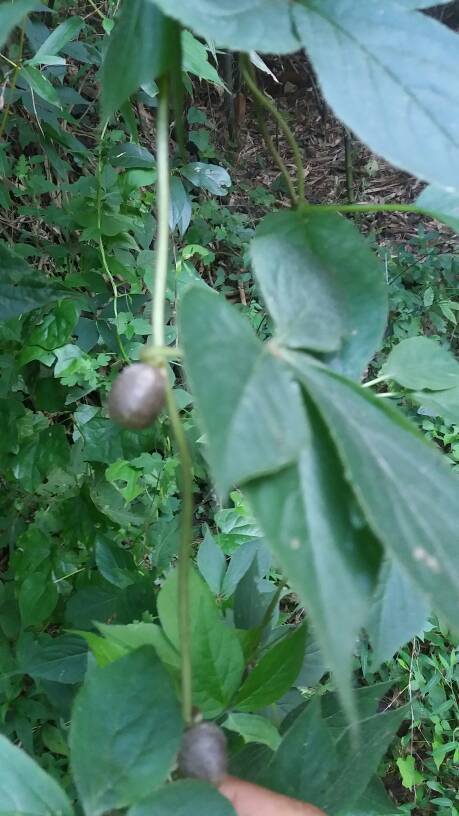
17, 68
249, 77
186, 526
102, 248
369, 208
275, 154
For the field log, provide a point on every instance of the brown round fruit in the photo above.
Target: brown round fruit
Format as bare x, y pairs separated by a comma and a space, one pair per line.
203, 753
137, 396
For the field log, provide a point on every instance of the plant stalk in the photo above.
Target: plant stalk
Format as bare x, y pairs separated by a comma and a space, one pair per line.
160, 283
249, 77
103, 256
17, 68
162, 241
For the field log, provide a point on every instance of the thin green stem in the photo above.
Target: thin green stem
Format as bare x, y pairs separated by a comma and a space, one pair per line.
275, 154
162, 242
369, 208
10, 62
186, 543
348, 156
17, 68
160, 283
103, 256
249, 77
376, 381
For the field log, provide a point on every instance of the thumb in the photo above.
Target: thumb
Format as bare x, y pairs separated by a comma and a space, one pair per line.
251, 800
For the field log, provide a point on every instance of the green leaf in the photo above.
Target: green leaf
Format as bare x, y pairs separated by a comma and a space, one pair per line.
37, 599
115, 564
305, 759
211, 563
253, 728
41, 453
322, 285
40, 85
216, 653
125, 732
25, 789
56, 327
11, 14
105, 651
61, 659
22, 288
185, 798
275, 673
380, 84
374, 802
210, 177
441, 204
440, 403
179, 206
330, 557
421, 4
142, 46
250, 410
398, 613
410, 775
326, 763
403, 486
242, 25
131, 156
59, 37
134, 635
419, 363
195, 59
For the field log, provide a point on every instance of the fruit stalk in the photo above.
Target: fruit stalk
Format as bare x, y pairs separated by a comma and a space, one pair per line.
186, 521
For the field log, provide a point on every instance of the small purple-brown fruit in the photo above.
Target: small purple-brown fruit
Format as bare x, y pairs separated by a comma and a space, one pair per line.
203, 753
137, 396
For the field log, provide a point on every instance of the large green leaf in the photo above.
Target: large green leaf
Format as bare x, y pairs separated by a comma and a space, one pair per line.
125, 733
372, 67
322, 285
25, 789
22, 288
403, 485
420, 362
243, 25
253, 728
441, 204
331, 560
440, 403
216, 653
59, 37
143, 45
250, 409
40, 85
322, 761
61, 659
398, 613
11, 15
421, 4
186, 798
274, 674
373, 802
195, 59
210, 177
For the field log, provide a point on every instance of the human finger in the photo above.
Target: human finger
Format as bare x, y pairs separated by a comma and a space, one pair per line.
252, 800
